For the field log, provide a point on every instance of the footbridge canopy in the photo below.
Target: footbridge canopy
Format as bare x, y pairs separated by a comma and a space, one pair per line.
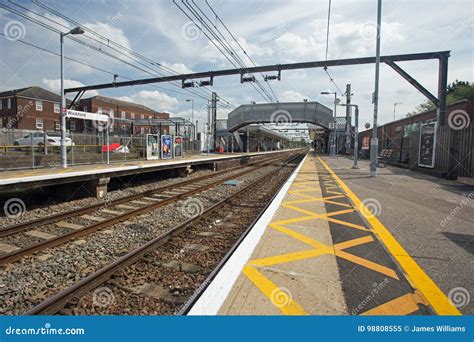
309, 112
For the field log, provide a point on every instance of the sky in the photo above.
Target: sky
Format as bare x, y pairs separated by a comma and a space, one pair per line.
270, 32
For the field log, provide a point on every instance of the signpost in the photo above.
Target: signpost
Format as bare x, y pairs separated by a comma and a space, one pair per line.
426, 154
99, 118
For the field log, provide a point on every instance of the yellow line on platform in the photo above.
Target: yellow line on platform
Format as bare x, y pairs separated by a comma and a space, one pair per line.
277, 296
403, 305
280, 259
415, 274
353, 242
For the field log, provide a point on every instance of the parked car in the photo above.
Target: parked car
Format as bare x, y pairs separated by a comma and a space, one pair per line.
38, 139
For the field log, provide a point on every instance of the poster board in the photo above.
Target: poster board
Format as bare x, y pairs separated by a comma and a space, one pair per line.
166, 147
365, 143
152, 146
426, 154
178, 152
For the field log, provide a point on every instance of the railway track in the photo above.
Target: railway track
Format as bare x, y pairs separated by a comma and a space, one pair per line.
168, 252
41, 234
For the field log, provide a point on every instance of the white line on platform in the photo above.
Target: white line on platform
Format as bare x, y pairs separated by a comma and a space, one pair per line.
216, 293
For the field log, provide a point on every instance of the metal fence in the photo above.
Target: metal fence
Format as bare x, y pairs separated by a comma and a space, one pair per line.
23, 149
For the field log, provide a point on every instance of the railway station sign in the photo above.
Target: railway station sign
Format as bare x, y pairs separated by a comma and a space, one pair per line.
77, 114
426, 154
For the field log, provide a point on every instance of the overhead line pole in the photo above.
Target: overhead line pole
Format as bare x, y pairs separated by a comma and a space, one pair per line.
374, 141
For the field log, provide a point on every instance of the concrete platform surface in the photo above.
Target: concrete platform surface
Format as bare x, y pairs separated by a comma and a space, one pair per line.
321, 250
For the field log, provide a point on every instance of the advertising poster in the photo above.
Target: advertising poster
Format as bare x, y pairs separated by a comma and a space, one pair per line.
177, 147
426, 156
166, 147
365, 143
152, 146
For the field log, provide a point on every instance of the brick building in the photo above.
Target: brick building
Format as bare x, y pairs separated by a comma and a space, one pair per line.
395, 130
32, 108
123, 110
35, 108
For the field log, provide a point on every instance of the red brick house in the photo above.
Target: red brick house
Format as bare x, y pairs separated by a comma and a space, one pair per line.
32, 108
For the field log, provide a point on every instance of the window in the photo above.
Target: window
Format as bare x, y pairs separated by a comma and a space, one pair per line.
9, 103
56, 126
150, 117
39, 106
143, 116
132, 116
1, 104
99, 110
57, 108
85, 108
111, 113
72, 127
39, 122
142, 130
123, 115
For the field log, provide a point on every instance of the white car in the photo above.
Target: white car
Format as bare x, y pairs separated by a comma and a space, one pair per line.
39, 140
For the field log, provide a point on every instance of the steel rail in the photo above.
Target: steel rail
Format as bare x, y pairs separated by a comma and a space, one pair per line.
57, 302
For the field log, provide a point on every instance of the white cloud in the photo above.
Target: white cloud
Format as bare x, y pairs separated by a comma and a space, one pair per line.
54, 85
180, 68
291, 96
109, 31
155, 99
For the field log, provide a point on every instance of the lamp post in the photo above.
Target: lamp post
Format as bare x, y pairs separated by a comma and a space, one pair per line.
356, 133
192, 116
76, 30
394, 108
332, 147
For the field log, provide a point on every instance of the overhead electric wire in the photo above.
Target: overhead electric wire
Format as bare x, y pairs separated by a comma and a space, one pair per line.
225, 44
241, 47
327, 49
100, 50
233, 53
210, 32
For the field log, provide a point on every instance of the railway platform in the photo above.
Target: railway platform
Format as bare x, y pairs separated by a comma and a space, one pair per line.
95, 177
319, 249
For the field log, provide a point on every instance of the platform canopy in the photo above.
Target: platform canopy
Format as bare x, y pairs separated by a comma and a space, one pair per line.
280, 113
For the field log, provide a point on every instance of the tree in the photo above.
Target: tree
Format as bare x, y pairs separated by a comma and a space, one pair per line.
456, 91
